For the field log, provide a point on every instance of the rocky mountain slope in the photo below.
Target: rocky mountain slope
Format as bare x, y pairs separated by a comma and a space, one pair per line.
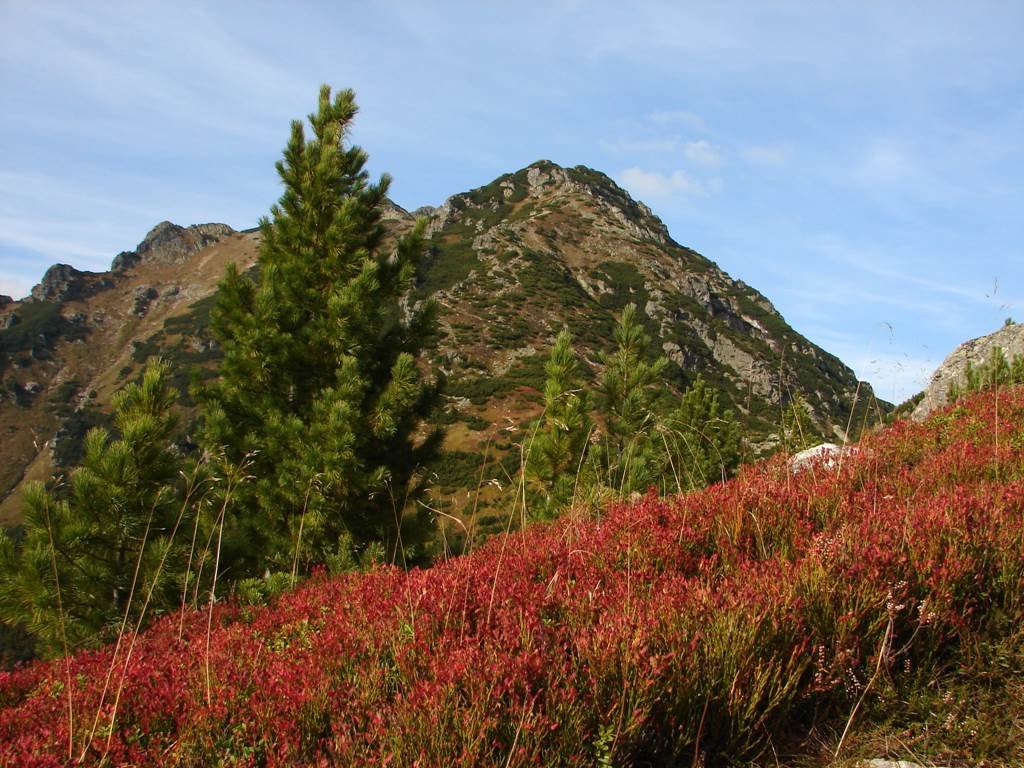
1010, 339
66, 349
510, 263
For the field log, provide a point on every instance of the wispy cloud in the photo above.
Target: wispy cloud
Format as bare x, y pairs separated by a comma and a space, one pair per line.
699, 152
879, 265
703, 152
34, 236
63, 221
894, 373
767, 155
826, 297
211, 67
39, 190
894, 376
652, 184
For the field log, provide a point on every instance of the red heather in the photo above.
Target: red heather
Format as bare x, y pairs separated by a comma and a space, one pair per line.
719, 622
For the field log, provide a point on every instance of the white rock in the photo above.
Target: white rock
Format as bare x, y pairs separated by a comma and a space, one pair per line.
825, 455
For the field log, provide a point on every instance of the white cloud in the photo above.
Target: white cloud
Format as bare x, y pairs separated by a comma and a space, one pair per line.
768, 155
48, 193
678, 117
44, 219
703, 152
653, 184
211, 67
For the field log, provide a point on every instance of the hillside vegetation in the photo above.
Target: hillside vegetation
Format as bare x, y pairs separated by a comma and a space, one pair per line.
510, 264
870, 606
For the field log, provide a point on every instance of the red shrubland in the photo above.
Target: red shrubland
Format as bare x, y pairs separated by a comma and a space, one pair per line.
716, 624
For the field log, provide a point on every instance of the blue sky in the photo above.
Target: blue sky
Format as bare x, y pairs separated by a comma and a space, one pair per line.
860, 164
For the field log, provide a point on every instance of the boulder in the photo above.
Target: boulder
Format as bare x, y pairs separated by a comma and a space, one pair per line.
826, 455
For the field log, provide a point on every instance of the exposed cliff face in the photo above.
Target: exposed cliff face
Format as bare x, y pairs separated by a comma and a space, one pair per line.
953, 370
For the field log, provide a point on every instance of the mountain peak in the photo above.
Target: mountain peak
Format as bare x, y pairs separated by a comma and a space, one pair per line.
546, 184
170, 243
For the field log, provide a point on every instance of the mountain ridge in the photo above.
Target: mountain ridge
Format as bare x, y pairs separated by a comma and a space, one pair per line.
510, 263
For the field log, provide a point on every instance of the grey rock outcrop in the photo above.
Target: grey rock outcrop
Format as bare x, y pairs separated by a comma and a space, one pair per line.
125, 260
169, 243
1010, 339
60, 283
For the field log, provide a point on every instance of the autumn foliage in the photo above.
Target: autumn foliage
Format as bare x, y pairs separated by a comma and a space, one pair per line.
716, 625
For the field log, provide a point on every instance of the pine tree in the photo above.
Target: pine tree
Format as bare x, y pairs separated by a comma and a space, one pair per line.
91, 550
703, 440
628, 459
319, 388
797, 432
561, 439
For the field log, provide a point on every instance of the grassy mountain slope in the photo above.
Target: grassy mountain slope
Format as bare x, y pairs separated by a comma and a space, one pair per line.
510, 263
873, 608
